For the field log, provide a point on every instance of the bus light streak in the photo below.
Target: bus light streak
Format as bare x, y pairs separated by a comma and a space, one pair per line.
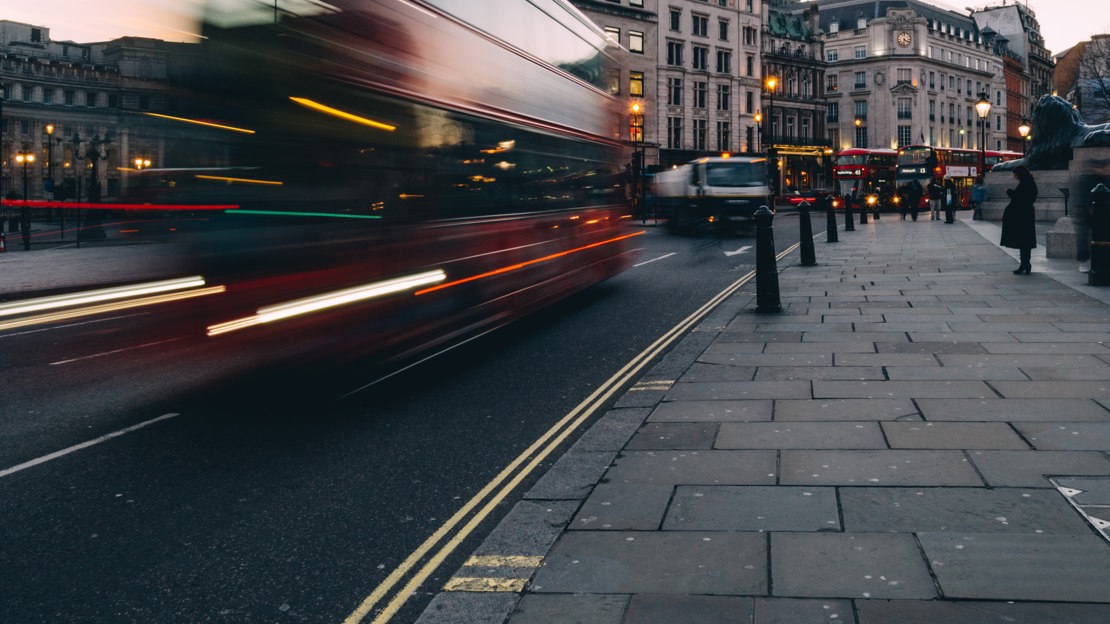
335, 112
198, 122
240, 180
521, 265
53, 317
287, 213
39, 203
298, 307
104, 294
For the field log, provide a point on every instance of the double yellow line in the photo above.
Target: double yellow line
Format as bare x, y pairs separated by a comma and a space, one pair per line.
513, 474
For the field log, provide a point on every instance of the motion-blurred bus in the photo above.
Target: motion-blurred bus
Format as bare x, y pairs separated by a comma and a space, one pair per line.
862, 172
413, 173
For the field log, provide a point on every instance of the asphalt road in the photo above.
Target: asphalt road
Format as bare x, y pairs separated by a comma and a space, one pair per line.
264, 497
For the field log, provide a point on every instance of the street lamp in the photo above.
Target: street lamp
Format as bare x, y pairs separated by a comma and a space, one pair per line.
772, 82
25, 157
142, 163
636, 135
1023, 130
94, 152
982, 108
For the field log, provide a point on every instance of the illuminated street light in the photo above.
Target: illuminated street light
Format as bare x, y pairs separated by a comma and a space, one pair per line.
982, 108
1023, 130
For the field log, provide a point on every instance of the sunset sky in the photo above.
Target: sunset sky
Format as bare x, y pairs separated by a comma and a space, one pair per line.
1063, 22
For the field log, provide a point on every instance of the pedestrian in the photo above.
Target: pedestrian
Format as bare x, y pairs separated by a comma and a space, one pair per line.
915, 193
901, 197
949, 201
936, 196
1018, 220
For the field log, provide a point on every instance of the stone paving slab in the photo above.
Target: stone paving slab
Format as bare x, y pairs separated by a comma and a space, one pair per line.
767, 359
820, 347
694, 467
952, 435
718, 391
701, 372
845, 409
1012, 410
877, 468
941, 373
752, 508
803, 373
800, 435
916, 509
849, 565
1005, 566
666, 562
674, 436
713, 411
1067, 436
1043, 348
656, 609
906, 360
1031, 468
901, 389
1066, 374
624, 507
978, 612
930, 348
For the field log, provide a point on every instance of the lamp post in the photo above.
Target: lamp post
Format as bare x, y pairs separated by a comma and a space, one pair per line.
982, 108
25, 157
1023, 130
96, 150
772, 82
3, 94
636, 132
759, 128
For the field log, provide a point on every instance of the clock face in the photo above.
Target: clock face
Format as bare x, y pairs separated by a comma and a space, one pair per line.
904, 39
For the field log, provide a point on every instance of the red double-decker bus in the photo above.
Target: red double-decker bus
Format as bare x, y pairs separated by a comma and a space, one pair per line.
863, 172
922, 163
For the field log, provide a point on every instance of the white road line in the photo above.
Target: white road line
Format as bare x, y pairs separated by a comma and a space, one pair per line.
78, 447
114, 351
654, 259
68, 325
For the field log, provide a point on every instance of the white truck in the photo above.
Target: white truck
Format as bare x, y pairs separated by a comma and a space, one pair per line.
722, 190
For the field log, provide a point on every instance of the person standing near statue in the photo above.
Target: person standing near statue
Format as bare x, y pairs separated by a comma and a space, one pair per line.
936, 196
949, 201
1019, 220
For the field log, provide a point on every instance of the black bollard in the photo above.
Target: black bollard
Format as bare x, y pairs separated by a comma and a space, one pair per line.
825, 201
876, 203
805, 233
766, 271
863, 212
849, 222
1099, 275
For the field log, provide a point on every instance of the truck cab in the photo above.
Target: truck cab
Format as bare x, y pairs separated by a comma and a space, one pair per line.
723, 190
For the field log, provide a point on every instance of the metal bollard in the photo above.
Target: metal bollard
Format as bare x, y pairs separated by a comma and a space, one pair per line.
831, 235
863, 212
1099, 275
805, 233
875, 204
849, 223
766, 271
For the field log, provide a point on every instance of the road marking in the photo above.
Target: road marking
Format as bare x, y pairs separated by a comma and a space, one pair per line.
518, 470
114, 351
68, 325
503, 561
738, 251
83, 445
657, 385
485, 584
654, 259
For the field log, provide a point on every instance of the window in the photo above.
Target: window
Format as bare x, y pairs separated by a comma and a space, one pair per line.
861, 109
749, 66
834, 138
674, 91
951, 83
724, 97
700, 25
804, 136
861, 80
832, 56
636, 128
68, 97
861, 136
932, 110
932, 80
676, 20
701, 58
724, 136
614, 81
48, 96
905, 108
807, 88
701, 91
636, 3
998, 122
790, 127
674, 53
700, 130
724, 61
749, 104
903, 76
636, 84
722, 30
674, 133
905, 135
749, 35
614, 33
832, 112
861, 52
832, 82
635, 42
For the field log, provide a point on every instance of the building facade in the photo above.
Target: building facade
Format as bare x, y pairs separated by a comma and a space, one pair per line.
81, 110
1017, 25
902, 73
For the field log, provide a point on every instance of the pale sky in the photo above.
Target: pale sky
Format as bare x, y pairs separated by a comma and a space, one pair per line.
1063, 22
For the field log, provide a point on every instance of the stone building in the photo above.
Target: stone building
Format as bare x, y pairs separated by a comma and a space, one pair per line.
905, 72
80, 108
1017, 25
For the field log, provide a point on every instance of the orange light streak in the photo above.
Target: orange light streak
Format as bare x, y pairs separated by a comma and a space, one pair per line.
521, 265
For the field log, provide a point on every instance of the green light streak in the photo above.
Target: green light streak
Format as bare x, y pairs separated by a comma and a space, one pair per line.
284, 213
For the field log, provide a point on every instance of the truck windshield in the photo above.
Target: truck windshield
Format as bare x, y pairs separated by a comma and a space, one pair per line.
736, 174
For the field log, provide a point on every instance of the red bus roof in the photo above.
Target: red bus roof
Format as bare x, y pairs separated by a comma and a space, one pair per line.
859, 151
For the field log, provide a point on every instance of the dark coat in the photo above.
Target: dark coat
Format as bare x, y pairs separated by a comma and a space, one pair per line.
1018, 221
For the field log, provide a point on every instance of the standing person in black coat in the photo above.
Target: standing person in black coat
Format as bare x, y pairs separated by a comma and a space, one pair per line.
1018, 221
915, 193
950, 200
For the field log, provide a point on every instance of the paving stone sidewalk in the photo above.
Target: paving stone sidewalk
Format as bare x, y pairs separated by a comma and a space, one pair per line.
920, 436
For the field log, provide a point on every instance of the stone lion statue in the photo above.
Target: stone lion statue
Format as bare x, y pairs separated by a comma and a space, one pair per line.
1057, 129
